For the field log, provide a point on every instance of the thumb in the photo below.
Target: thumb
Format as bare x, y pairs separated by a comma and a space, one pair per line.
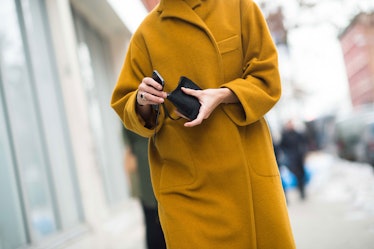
189, 91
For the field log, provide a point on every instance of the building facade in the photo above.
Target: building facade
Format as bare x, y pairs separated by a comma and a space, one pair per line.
357, 43
62, 179
150, 4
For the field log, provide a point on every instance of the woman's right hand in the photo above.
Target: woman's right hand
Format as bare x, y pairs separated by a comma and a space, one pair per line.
150, 93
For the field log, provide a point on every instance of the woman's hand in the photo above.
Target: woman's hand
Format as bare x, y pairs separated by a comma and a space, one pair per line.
209, 100
149, 93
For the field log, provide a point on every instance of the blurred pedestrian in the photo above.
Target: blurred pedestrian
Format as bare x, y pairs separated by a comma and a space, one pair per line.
280, 158
215, 176
138, 170
294, 146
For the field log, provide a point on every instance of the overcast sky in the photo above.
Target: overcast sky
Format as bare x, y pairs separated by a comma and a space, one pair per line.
316, 59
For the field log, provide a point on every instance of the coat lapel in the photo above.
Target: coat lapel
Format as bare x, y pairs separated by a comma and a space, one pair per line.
182, 10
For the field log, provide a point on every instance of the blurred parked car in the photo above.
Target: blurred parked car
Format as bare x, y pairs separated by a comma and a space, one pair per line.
354, 137
365, 146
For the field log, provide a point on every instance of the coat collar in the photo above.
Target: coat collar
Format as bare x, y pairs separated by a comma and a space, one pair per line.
182, 9
166, 3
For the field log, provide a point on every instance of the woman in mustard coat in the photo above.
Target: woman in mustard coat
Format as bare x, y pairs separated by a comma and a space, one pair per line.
215, 177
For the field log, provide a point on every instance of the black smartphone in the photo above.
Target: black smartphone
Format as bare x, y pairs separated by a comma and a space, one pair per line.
157, 77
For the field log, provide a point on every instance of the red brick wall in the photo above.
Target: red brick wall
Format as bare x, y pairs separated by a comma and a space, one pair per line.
150, 4
358, 50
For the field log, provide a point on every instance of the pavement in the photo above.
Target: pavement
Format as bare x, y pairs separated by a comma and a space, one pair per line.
338, 212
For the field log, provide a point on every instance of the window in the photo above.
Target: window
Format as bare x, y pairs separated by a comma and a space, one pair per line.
98, 83
37, 177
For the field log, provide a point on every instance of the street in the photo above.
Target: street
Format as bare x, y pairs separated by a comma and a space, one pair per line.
339, 209
338, 212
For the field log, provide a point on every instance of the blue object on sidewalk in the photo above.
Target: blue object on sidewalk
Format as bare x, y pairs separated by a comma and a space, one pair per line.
289, 179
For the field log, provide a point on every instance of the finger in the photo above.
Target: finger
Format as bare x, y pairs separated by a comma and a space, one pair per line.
145, 98
198, 120
190, 91
195, 122
141, 98
149, 85
152, 83
152, 91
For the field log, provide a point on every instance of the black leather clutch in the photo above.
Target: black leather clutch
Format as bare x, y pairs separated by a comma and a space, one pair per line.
186, 104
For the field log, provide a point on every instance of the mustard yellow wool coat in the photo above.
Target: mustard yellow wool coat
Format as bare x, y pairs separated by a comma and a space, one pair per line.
217, 184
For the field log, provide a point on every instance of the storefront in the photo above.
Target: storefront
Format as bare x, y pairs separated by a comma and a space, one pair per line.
61, 153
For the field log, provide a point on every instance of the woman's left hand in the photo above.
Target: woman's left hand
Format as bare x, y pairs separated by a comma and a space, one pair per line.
209, 100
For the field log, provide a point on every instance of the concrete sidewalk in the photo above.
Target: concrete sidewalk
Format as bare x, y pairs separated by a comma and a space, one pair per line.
339, 210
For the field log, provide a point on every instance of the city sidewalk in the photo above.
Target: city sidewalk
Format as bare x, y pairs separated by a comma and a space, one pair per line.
339, 210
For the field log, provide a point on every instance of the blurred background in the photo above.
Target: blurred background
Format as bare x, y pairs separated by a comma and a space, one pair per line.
62, 177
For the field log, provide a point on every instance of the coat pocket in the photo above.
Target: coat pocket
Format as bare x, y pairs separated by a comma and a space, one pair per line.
178, 166
229, 44
232, 57
261, 157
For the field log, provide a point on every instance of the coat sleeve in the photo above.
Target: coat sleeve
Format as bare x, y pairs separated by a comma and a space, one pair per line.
136, 66
259, 88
